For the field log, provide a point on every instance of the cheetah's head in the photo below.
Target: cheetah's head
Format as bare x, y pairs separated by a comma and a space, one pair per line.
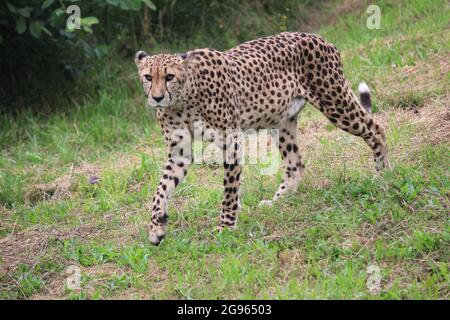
161, 76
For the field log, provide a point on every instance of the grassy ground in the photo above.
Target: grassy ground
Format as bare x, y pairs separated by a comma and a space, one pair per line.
319, 243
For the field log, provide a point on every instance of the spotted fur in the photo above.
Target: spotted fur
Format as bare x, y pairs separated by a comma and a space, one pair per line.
262, 83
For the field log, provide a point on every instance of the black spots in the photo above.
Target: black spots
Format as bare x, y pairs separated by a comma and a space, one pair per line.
309, 76
289, 147
345, 123
230, 216
295, 148
176, 181
341, 111
311, 46
282, 139
356, 126
162, 219
335, 115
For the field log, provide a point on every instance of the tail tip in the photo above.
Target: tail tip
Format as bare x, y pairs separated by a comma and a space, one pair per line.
363, 88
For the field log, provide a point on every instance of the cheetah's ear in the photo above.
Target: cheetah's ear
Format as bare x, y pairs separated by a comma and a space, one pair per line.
139, 56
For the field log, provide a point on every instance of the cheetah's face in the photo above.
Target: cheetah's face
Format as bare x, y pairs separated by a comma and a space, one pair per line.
162, 77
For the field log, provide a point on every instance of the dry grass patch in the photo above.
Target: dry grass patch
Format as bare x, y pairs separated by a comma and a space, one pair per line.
28, 247
409, 86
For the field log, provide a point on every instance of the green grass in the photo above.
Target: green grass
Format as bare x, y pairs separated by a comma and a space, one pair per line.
315, 244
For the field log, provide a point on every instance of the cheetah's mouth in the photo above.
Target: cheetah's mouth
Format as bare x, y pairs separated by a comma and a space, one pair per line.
158, 105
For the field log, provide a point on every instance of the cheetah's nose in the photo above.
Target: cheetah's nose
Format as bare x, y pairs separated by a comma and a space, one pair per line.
158, 99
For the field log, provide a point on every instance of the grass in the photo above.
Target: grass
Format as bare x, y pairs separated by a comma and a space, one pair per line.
315, 244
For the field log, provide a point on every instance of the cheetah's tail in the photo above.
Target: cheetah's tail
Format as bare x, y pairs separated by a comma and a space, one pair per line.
364, 96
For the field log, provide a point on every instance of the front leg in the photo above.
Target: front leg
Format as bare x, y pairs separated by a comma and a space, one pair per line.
232, 181
175, 171
230, 203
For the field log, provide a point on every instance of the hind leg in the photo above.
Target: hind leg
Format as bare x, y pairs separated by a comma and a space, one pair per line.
346, 113
292, 161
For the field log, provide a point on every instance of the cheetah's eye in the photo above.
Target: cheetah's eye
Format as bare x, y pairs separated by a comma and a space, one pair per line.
169, 77
148, 77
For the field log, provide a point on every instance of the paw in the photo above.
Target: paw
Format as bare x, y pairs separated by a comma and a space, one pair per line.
156, 234
266, 203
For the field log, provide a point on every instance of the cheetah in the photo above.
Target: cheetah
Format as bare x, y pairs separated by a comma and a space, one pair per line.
263, 83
